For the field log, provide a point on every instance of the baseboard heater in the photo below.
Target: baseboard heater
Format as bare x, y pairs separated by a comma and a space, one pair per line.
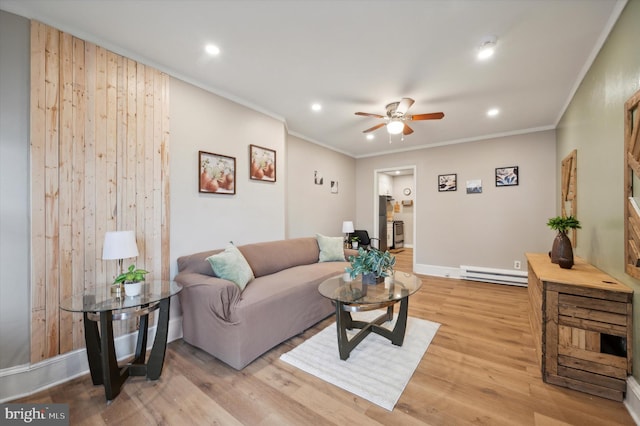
493, 275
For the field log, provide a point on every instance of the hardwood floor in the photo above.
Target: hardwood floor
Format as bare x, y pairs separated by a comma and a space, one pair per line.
480, 369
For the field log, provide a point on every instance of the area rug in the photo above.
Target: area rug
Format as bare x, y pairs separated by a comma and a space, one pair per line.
376, 370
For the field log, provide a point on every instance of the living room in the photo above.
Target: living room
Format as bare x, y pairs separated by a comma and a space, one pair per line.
295, 206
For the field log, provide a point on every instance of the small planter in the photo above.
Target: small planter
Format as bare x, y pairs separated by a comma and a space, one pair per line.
371, 279
354, 245
132, 289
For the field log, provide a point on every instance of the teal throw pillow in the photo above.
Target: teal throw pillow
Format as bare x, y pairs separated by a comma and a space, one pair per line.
331, 248
231, 265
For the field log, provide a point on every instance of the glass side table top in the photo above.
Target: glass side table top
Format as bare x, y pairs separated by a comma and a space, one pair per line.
354, 292
100, 299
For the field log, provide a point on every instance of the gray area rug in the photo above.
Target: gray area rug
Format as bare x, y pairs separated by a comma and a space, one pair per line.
376, 370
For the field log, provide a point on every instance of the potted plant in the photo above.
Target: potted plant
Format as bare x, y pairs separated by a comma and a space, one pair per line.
561, 251
374, 265
354, 242
132, 280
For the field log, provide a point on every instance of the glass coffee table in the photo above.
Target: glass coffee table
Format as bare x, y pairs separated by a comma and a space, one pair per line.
98, 305
354, 296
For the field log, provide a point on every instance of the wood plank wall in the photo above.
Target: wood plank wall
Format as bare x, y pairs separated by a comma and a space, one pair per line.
99, 162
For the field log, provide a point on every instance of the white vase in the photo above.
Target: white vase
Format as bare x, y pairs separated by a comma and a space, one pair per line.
132, 289
354, 245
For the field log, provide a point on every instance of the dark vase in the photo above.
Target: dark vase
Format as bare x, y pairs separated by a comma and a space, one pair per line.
562, 249
371, 278
565, 263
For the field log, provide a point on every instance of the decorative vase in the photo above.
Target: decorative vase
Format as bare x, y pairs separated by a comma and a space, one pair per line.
561, 248
132, 289
354, 245
565, 263
371, 278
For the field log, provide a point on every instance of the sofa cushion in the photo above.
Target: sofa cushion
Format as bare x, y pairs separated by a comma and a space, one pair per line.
231, 265
331, 248
274, 256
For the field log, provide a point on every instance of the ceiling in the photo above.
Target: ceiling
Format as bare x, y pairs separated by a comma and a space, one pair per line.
279, 57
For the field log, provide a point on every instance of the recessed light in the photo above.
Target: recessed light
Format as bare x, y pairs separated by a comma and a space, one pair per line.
212, 49
493, 112
370, 137
487, 48
316, 107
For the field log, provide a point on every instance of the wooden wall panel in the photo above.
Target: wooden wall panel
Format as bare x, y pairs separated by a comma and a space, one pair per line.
99, 155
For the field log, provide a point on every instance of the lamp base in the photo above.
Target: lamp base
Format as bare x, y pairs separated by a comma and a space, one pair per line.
116, 290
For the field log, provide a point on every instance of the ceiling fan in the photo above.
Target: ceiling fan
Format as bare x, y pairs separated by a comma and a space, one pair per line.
397, 117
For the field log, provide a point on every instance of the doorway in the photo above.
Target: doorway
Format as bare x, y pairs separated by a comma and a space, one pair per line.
398, 183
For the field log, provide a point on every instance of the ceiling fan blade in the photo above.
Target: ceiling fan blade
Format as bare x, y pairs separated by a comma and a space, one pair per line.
404, 105
366, 114
376, 127
407, 130
430, 116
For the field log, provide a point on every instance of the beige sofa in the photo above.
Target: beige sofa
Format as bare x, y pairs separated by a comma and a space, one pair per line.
282, 301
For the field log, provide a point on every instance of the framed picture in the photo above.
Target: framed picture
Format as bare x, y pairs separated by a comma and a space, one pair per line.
507, 176
448, 182
334, 186
474, 186
317, 178
263, 163
216, 173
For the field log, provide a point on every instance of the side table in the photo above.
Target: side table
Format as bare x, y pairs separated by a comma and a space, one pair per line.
100, 306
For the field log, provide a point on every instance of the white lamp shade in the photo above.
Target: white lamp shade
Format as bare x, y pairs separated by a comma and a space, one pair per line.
395, 127
347, 227
119, 245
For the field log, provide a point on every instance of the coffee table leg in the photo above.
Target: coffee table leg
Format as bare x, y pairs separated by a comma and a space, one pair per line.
397, 336
343, 322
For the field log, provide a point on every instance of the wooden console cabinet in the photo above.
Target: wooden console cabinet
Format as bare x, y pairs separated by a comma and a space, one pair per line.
582, 325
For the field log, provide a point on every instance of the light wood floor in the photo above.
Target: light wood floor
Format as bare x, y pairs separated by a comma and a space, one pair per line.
480, 369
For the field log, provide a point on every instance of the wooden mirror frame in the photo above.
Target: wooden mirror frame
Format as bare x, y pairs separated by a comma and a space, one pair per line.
570, 189
631, 167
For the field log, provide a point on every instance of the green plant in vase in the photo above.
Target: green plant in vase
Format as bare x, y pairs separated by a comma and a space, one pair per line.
373, 264
562, 251
132, 280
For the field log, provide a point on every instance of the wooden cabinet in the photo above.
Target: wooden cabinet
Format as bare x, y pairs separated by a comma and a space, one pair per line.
581, 319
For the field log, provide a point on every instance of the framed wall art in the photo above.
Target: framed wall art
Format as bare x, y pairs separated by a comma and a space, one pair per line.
263, 163
448, 182
216, 173
507, 176
474, 186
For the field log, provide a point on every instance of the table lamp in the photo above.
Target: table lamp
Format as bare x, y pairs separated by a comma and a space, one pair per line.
347, 228
119, 245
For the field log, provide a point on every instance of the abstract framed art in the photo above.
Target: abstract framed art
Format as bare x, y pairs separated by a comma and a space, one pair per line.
507, 176
216, 173
448, 182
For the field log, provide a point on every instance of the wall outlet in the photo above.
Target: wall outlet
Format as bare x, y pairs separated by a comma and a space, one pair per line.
517, 264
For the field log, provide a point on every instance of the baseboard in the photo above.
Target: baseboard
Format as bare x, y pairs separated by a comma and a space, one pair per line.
437, 271
632, 400
21, 381
459, 273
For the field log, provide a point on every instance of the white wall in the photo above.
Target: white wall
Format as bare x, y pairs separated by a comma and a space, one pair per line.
491, 229
314, 208
202, 121
15, 304
594, 125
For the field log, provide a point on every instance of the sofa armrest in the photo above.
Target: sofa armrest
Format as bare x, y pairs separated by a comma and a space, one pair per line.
350, 252
220, 294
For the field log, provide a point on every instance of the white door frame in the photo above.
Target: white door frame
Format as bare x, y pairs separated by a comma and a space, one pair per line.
413, 168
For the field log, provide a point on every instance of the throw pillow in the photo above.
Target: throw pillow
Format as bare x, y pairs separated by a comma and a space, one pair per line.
331, 248
231, 265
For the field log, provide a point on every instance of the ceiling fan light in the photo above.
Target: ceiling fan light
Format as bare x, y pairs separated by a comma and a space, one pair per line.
395, 127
